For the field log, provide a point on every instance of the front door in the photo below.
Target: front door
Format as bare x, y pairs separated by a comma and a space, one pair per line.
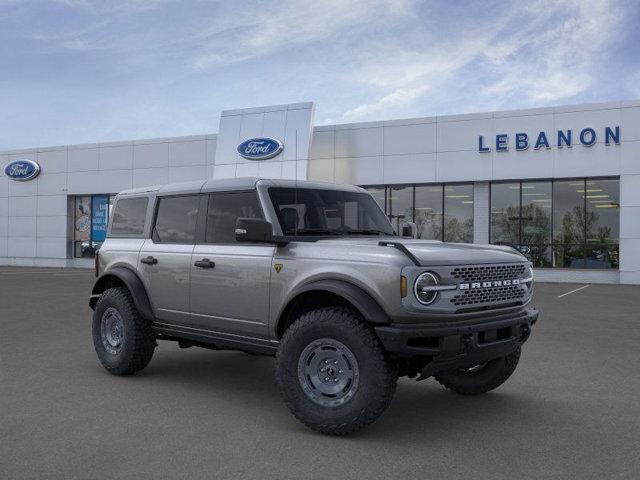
229, 280
165, 259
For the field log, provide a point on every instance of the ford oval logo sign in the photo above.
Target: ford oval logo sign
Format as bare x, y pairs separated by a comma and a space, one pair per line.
260, 148
22, 170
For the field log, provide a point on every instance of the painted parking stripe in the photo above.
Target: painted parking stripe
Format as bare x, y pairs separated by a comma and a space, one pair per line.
43, 273
573, 291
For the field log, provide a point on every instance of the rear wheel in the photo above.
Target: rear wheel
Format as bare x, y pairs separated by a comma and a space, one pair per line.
333, 373
122, 339
481, 378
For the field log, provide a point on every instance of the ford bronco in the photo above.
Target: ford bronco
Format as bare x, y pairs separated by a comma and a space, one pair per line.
314, 274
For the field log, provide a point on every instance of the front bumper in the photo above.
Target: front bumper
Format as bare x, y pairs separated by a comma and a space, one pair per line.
447, 346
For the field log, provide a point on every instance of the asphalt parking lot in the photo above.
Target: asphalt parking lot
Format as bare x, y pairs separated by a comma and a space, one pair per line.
571, 410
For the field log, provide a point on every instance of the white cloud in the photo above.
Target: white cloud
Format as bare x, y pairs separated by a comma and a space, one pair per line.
287, 25
554, 63
544, 52
161, 67
404, 77
398, 98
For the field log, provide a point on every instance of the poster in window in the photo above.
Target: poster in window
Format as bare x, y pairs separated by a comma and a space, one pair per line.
99, 217
82, 229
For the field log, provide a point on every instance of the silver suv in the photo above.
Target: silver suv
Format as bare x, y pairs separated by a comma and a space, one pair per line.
314, 274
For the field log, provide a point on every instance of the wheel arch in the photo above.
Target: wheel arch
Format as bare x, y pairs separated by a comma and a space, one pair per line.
123, 277
323, 293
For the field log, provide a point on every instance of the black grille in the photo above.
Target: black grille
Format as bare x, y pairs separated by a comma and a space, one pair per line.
478, 296
490, 272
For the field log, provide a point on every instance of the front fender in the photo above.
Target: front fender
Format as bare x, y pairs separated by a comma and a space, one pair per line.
133, 283
359, 298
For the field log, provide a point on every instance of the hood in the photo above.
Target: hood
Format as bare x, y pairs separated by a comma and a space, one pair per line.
439, 253
433, 252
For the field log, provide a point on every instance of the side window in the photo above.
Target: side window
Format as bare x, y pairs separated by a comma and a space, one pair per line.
224, 209
176, 219
128, 216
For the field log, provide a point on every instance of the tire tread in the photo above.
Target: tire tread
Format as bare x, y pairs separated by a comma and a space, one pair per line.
141, 336
469, 384
386, 373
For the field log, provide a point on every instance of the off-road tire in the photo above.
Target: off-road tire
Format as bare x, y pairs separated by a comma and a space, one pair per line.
487, 378
377, 374
138, 341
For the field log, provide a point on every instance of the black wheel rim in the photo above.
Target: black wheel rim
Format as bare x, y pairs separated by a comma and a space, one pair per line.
111, 330
328, 372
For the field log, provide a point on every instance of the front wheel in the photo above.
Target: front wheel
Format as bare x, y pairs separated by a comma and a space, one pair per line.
122, 339
333, 372
480, 378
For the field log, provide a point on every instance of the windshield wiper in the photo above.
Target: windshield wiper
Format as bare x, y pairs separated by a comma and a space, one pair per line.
365, 232
314, 231
320, 231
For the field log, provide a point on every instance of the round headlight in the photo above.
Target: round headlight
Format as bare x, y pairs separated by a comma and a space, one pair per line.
422, 290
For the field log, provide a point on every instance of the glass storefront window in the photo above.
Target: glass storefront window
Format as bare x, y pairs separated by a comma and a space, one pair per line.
603, 223
536, 221
400, 200
458, 213
505, 214
569, 223
564, 223
428, 211
91, 217
440, 212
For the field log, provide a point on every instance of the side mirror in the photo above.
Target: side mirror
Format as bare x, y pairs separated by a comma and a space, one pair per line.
410, 229
254, 230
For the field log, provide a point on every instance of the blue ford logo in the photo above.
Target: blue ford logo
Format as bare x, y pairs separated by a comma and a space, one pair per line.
22, 170
260, 148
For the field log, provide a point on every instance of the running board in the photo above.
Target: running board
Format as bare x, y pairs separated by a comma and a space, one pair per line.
217, 340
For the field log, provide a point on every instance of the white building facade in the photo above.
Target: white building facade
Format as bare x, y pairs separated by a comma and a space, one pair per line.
561, 184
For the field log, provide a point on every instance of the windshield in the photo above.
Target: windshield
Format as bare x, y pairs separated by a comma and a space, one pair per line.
310, 211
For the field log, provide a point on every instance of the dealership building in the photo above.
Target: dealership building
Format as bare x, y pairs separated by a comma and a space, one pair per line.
561, 184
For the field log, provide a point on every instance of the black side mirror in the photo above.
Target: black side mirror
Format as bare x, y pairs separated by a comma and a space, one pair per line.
254, 230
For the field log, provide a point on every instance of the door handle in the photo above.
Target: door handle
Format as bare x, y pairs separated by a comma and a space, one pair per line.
204, 263
149, 260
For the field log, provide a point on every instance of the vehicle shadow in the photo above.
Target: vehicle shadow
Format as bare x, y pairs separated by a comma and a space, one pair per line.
418, 409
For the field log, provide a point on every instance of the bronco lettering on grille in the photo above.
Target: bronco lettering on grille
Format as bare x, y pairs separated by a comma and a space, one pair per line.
493, 283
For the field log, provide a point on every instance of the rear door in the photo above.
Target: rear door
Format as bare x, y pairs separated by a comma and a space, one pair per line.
230, 280
165, 259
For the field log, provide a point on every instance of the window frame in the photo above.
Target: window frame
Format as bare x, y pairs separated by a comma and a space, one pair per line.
156, 208
203, 217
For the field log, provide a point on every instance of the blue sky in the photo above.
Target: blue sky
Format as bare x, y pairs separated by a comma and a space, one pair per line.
77, 71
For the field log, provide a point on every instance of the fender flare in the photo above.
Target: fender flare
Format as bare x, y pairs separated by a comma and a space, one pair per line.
132, 281
368, 307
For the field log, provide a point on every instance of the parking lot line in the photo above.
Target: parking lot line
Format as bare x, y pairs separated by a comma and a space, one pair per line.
573, 291
41, 273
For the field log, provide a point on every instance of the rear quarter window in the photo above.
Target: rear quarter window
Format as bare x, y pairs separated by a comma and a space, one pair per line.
176, 219
129, 216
